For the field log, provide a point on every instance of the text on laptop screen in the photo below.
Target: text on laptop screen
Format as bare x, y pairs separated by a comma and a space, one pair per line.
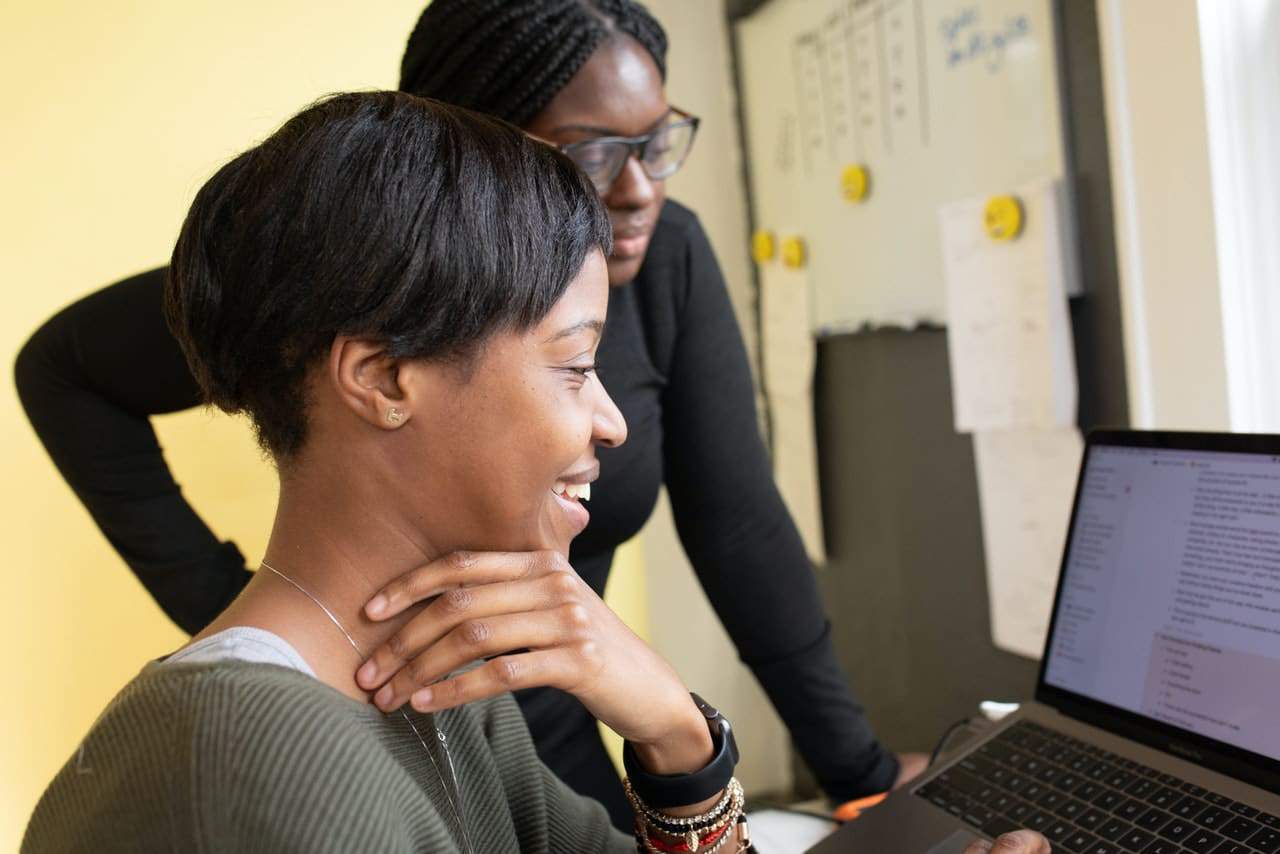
1170, 604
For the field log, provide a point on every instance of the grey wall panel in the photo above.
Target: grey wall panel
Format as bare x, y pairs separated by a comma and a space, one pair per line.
905, 582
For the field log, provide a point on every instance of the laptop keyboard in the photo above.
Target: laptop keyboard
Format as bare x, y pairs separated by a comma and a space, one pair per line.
1089, 800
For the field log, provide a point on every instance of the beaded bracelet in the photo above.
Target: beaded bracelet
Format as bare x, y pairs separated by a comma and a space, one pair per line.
680, 824
706, 833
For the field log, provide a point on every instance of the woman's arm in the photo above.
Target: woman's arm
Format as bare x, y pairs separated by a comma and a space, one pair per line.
88, 379
743, 543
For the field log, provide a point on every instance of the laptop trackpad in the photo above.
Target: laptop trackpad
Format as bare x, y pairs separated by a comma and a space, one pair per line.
955, 843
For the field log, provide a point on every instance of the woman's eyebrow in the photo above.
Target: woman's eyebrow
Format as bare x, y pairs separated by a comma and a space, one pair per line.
581, 326
599, 131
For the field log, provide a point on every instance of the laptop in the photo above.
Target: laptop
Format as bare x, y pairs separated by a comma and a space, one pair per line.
1156, 721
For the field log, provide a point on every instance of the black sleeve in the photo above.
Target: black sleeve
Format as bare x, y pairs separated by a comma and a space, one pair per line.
88, 379
744, 545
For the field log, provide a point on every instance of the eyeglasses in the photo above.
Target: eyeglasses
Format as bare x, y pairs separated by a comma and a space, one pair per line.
661, 152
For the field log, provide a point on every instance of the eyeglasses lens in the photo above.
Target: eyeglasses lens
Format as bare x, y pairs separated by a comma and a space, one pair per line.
602, 161
666, 152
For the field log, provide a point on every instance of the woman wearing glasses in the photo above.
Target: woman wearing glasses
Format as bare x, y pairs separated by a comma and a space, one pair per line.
586, 76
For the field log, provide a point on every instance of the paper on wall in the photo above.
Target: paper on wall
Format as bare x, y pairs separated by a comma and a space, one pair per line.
1026, 481
1008, 328
789, 355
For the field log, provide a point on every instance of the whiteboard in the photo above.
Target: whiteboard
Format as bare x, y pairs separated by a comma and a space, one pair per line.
940, 100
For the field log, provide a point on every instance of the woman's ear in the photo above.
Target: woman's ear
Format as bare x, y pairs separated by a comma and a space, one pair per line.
369, 382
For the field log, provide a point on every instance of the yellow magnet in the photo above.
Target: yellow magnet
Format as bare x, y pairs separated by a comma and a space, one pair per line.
1002, 218
794, 252
763, 246
855, 182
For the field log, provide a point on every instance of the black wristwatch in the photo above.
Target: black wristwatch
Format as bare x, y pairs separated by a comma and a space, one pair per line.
676, 790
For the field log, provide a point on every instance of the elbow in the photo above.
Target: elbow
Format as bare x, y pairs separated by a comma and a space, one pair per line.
34, 369
26, 368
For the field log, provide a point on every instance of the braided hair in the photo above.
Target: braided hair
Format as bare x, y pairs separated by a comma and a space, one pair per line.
509, 58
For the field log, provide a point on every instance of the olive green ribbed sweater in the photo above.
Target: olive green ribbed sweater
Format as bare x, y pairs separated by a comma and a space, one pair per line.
237, 756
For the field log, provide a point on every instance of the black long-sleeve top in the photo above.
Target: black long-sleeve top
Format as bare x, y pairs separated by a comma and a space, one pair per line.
672, 358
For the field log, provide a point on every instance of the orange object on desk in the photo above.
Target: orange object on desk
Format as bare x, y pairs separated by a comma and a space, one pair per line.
850, 810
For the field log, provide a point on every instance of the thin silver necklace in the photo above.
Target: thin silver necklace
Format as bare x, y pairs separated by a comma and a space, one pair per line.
457, 811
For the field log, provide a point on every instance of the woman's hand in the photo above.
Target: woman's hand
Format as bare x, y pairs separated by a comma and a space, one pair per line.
538, 624
910, 766
1018, 842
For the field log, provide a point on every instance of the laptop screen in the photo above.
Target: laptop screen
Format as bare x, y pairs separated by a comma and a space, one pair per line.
1169, 605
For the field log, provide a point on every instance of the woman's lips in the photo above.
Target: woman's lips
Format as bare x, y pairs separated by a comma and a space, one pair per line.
573, 508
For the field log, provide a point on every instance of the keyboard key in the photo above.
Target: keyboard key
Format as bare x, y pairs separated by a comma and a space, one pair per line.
1068, 781
1048, 774
1002, 803
1051, 799
1091, 819
1130, 809
1108, 800
1266, 819
1162, 846
1169, 780
1039, 820
1101, 847
1177, 830
1114, 829
1213, 818
1135, 839
1071, 808
1031, 792
1265, 840
1243, 809
1218, 800
1014, 782
1079, 841
1164, 797
1020, 811
1015, 759
1193, 789
1188, 807
1088, 790
1203, 841
1230, 847
1240, 828
1057, 831
1153, 819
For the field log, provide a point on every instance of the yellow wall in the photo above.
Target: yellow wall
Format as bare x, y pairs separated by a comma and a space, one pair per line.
114, 114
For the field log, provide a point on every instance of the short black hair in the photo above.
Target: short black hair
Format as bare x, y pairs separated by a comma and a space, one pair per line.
509, 58
373, 214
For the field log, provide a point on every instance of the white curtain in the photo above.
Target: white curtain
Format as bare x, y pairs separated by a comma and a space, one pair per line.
1239, 40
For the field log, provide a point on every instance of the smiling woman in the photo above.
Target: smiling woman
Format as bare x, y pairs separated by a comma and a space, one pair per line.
588, 76
421, 385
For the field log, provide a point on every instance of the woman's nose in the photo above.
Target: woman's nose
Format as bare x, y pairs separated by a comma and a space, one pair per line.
632, 188
609, 428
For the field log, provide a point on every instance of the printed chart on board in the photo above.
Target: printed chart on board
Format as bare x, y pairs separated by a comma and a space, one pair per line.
933, 100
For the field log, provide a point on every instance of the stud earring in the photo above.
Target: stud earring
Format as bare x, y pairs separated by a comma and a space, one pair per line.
394, 416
